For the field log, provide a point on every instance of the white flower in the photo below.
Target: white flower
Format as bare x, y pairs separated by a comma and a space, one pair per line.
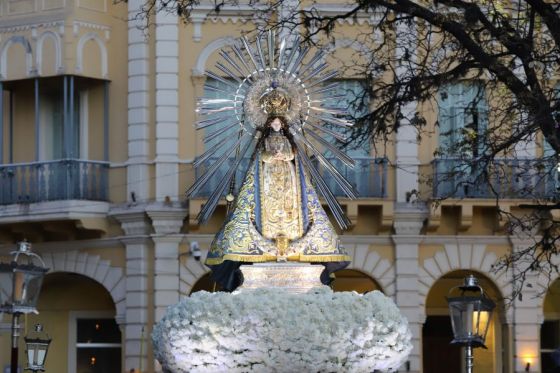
270, 330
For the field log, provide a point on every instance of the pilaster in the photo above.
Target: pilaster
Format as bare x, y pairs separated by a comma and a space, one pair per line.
138, 105
137, 325
406, 146
167, 224
528, 317
408, 222
167, 106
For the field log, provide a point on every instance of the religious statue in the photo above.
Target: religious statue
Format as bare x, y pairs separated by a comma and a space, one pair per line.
276, 214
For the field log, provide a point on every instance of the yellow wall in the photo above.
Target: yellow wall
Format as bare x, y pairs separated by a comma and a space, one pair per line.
489, 360
552, 301
62, 293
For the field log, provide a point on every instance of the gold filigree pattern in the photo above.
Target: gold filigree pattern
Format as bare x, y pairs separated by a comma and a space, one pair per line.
280, 203
281, 215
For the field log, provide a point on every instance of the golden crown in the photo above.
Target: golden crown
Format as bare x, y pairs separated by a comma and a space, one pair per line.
275, 101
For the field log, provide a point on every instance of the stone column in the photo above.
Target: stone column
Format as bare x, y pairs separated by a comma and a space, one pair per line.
138, 259
167, 225
138, 105
527, 319
167, 106
408, 223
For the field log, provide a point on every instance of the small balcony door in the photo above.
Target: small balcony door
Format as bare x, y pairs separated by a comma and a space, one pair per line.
53, 144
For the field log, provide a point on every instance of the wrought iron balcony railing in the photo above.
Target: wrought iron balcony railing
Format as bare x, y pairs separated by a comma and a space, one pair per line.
505, 178
53, 180
369, 176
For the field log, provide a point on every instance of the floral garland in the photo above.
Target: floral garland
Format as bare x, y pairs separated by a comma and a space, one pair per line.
271, 330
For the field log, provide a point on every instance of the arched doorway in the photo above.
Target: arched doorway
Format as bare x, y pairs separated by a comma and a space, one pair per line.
354, 280
79, 314
438, 355
550, 330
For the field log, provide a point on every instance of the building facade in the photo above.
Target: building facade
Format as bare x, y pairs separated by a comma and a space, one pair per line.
97, 144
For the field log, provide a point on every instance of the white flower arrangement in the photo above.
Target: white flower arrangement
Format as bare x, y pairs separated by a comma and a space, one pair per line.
271, 330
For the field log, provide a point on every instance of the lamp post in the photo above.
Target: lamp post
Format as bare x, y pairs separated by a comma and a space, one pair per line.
24, 278
37, 346
470, 312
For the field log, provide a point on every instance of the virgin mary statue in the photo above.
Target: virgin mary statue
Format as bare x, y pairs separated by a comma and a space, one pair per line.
277, 215
284, 107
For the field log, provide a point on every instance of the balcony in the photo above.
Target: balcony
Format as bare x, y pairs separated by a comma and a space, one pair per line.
369, 176
65, 179
506, 178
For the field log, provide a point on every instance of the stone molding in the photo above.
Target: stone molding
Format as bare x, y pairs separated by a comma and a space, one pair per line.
30, 26
456, 256
92, 266
200, 65
332, 10
80, 53
58, 51
168, 221
77, 25
16, 39
133, 222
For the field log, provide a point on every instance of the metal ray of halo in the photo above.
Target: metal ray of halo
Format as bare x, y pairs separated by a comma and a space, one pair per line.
300, 57
324, 89
281, 51
233, 64
260, 53
271, 41
311, 63
206, 110
210, 74
337, 135
249, 52
314, 72
195, 188
212, 202
333, 120
216, 89
220, 131
204, 123
213, 101
329, 98
210, 152
329, 110
293, 52
241, 58
345, 158
334, 206
228, 72
339, 179
323, 78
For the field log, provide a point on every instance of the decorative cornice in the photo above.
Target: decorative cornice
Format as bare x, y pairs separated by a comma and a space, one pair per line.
331, 10
53, 210
240, 13
31, 27
76, 25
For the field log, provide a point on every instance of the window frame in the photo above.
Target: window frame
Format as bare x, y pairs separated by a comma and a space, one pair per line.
73, 345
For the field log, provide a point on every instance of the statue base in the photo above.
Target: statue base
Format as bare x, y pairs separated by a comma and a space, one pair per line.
293, 277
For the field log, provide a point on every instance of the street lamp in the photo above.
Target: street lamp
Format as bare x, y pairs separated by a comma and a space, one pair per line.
23, 278
471, 313
36, 350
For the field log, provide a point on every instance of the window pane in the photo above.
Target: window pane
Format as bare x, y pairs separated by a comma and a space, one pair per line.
550, 334
98, 331
99, 360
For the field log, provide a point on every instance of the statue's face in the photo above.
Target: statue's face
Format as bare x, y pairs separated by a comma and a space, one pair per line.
276, 124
